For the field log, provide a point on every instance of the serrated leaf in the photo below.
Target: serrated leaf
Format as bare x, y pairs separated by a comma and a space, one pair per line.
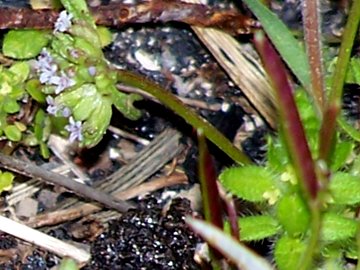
293, 214
249, 183
12, 133
345, 188
239, 254
284, 41
337, 228
25, 43
254, 228
287, 252
341, 153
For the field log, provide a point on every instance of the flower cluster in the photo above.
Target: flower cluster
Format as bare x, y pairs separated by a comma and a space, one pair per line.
47, 70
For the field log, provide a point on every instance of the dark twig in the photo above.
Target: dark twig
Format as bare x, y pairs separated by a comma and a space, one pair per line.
119, 15
30, 170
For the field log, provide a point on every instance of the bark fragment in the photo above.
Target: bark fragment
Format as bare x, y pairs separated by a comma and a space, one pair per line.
120, 15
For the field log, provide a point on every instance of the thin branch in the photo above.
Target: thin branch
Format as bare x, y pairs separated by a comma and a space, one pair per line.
30, 170
119, 15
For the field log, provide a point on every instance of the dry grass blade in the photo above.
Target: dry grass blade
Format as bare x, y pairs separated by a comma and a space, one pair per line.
245, 71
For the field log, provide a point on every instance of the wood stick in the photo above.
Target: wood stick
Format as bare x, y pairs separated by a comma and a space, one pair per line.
43, 240
33, 171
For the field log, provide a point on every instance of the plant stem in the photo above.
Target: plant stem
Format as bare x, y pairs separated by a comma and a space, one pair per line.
327, 133
311, 18
306, 261
290, 124
190, 116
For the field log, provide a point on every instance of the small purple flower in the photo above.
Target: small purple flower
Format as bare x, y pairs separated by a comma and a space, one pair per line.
44, 61
63, 22
46, 75
66, 112
92, 70
75, 129
62, 82
52, 107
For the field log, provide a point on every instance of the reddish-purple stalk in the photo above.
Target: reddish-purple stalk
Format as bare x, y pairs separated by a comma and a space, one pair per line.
312, 34
291, 125
232, 216
209, 188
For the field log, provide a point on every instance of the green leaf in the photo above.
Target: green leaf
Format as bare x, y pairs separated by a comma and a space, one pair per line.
12, 133
341, 153
105, 36
95, 126
337, 228
79, 10
353, 72
287, 252
87, 104
239, 254
345, 188
68, 264
6, 180
249, 183
33, 87
288, 47
21, 71
24, 44
11, 106
276, 155
254, 228
293, 214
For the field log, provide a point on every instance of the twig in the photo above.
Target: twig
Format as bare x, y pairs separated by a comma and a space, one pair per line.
66, 215
30, 170
43, 240
119, 15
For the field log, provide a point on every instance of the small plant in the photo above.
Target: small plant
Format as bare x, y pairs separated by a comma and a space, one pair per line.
284, 214
307, 194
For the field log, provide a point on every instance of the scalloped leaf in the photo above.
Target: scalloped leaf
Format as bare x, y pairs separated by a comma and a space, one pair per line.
287, 252
25, 43
293, 214
249, 183
345, 188
254, 228
337, 228
13, 133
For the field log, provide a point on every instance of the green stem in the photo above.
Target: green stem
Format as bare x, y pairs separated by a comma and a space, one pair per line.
358, 245
327, 134
306, 261
190, 116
